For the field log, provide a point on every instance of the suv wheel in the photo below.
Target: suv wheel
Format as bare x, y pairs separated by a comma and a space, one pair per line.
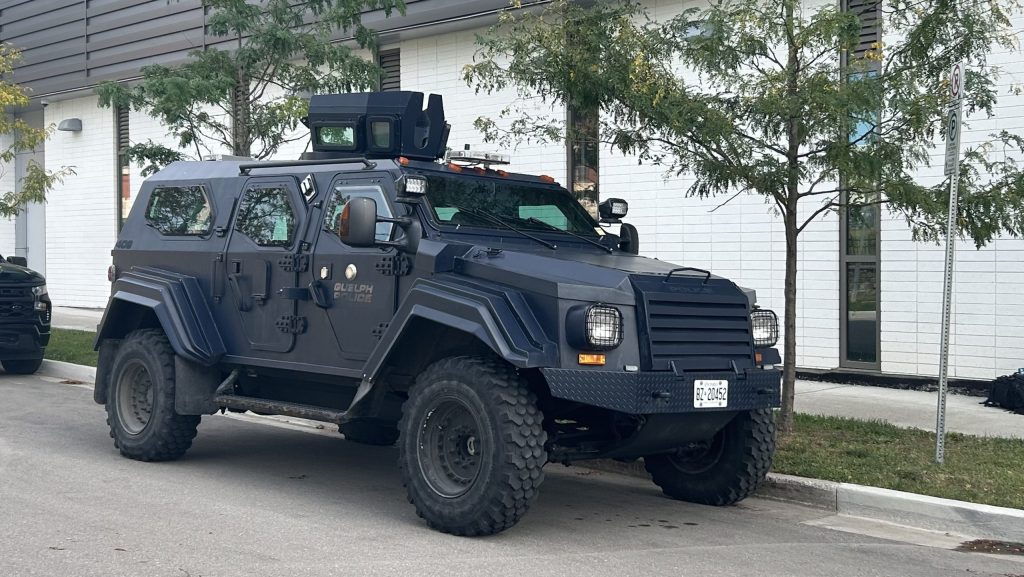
22, 366
727, 469
140, 403
471, 450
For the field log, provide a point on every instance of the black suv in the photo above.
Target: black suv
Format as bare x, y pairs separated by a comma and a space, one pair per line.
483, 320
24, 316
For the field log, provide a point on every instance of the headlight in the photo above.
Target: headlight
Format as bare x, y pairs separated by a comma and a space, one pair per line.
765, 326
39, 291
604, 327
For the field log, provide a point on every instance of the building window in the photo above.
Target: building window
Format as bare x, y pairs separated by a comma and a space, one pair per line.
390, 62
123, 171
859, 233
583, 150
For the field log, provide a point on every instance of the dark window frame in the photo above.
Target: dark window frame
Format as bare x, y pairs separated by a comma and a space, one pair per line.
870, 32
297, 215
211, 218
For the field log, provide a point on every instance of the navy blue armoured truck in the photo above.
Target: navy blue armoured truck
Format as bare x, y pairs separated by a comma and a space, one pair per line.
483, 320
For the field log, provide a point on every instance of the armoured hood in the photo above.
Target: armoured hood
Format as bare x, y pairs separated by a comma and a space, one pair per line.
570, 273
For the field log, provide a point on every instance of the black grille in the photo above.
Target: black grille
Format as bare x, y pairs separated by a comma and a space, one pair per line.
698, 326
16, 302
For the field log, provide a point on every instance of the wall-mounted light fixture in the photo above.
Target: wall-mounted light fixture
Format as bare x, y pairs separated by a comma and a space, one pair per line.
70, 125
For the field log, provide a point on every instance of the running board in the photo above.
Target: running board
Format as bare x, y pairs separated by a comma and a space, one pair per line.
280, 408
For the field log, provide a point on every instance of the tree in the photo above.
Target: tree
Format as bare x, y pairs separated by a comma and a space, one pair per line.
248, 93
16, 136
773, 98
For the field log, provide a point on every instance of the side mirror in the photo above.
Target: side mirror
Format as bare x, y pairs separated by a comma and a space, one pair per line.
357, 225
613, 209
629, 239
18, 260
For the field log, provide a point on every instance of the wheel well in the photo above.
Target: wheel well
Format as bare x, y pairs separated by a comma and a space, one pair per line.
424, 342
124, 317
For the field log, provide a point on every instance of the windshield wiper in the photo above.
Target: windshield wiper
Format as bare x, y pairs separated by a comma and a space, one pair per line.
497, 219
549, 226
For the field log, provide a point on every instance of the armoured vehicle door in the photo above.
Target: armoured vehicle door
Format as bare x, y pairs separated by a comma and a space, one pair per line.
261, 262
360, 283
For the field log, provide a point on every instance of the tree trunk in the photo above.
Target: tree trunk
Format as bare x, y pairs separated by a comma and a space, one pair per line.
789, 327
241, 135
792, 201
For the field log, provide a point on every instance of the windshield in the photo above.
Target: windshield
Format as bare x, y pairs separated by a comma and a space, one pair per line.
513, 202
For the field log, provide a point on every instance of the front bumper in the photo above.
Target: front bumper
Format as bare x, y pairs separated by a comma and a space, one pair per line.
650, 392
23, 340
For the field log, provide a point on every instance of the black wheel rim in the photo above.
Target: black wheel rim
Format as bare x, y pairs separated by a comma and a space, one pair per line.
699, 457
135, 397
449, 448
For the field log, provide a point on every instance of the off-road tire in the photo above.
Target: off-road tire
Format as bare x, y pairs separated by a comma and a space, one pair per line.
511, 445
22, 366
369, 433
721, 477
165, 435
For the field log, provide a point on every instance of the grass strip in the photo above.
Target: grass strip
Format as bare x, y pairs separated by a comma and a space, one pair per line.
986, 470
72, 346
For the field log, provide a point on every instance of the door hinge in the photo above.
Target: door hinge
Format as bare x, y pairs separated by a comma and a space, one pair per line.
395, 265
294, 262
291, 324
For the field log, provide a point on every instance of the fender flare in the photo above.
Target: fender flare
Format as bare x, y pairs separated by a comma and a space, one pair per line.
496, 315
179, 305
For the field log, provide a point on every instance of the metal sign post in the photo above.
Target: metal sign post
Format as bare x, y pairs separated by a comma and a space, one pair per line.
953, 117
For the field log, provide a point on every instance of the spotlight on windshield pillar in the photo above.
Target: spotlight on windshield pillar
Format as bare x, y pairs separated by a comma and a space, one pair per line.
613, 209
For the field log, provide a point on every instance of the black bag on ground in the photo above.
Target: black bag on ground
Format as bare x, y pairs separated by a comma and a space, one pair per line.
1007, 392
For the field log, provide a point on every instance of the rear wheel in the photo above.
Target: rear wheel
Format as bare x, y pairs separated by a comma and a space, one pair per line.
22, 366
471, 450
726, 469
140, 403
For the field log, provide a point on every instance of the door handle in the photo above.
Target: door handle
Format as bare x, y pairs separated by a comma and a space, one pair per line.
232, 281
318, 293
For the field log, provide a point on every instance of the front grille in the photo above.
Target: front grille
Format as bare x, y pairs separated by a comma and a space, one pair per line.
16, 303
693, 325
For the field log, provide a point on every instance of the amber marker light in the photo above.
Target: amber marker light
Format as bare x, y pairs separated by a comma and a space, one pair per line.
502, 173
591, 359
454, 167
757, 358
546, 178
403, 161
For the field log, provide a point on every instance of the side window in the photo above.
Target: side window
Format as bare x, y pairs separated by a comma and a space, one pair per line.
180, 211
342, 194
267, 217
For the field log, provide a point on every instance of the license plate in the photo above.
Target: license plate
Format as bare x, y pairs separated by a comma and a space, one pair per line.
710, 394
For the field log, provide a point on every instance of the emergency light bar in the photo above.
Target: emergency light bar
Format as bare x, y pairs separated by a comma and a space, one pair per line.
473, 157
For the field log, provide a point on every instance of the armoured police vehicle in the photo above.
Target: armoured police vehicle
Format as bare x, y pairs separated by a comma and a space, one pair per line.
481, 319
24, 316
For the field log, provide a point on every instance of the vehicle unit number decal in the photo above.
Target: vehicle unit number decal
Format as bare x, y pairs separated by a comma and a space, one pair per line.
709, 394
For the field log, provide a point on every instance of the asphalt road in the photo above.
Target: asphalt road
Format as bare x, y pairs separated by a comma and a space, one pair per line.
252, 499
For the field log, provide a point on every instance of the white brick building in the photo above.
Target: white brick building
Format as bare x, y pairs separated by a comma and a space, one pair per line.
741, 240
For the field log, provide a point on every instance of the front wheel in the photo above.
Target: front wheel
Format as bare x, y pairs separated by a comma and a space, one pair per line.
471, 450
140, 402
22, 366
726, 469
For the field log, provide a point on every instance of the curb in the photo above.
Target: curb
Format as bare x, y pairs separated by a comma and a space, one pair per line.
62, 370
896, 507
848, 499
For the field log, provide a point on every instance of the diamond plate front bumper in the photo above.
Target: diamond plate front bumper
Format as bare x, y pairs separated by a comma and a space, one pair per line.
644, 393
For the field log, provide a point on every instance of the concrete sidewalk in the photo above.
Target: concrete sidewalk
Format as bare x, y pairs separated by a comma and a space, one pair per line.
906, 408
75, 318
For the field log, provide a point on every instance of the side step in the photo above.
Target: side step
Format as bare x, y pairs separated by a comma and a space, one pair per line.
298, 410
